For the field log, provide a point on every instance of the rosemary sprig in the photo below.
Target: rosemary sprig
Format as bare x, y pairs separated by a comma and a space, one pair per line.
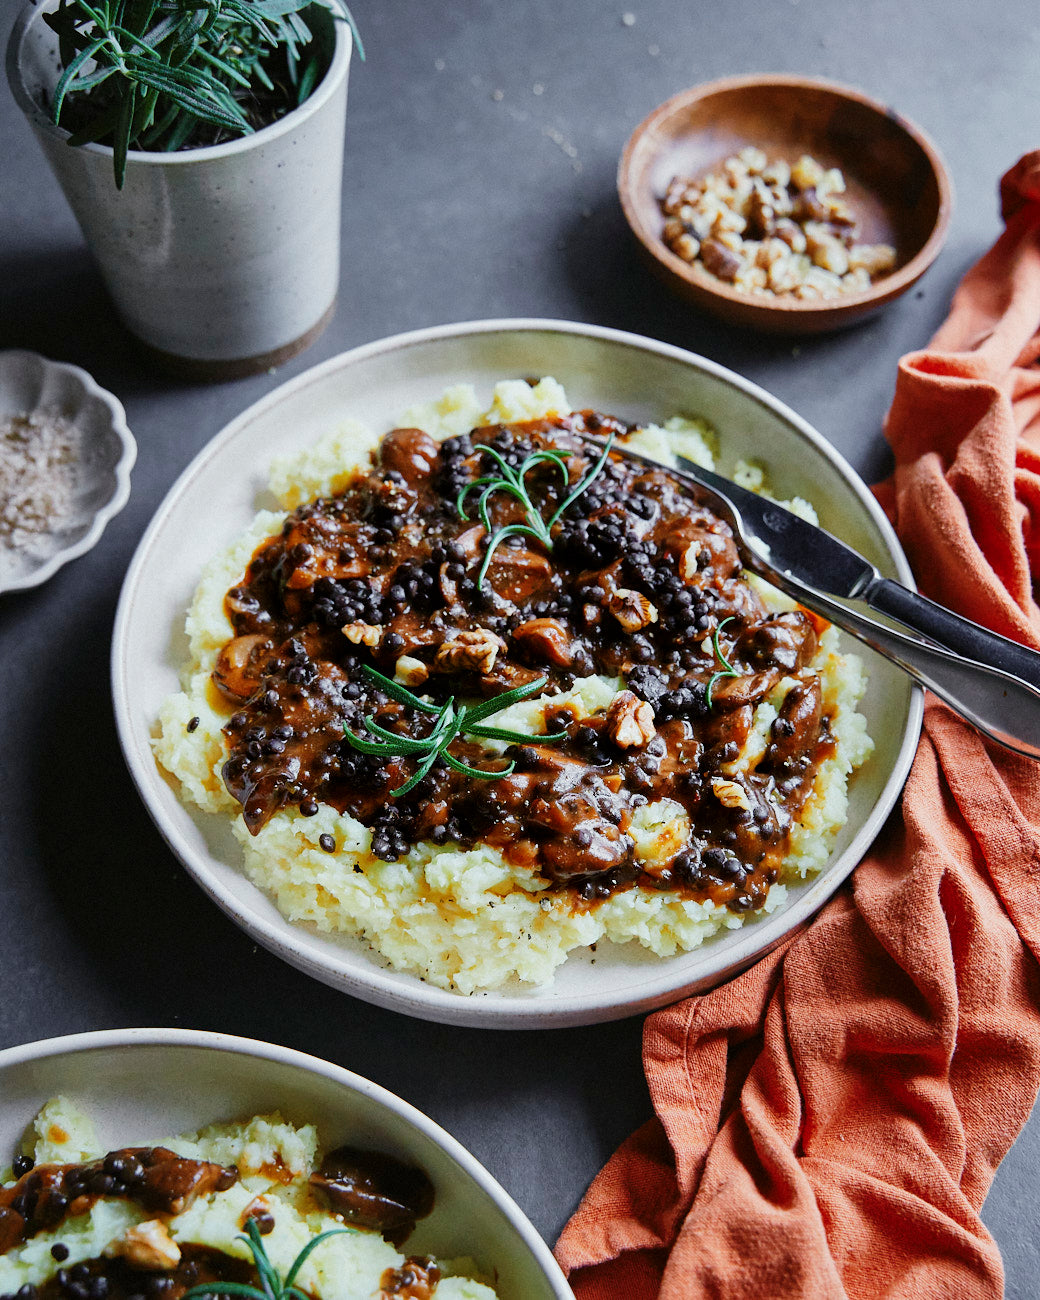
450, 720
512, 481
272, 1287
148, 74
727, 669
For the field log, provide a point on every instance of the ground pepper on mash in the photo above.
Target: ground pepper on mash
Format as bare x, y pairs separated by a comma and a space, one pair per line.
658, 740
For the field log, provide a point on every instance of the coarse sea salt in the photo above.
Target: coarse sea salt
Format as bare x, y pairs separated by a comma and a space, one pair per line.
38, 459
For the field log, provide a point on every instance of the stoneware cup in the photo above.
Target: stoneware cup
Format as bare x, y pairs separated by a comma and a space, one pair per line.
222, 260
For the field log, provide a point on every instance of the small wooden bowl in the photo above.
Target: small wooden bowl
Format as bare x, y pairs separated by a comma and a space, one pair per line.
897, 185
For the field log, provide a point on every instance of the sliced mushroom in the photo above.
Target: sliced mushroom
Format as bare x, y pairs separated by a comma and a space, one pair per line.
546, 640
411, 452
735, 692
517, 574
797, 725
238, 669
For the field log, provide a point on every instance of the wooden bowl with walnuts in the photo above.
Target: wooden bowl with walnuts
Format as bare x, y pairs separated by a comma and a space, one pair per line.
784, 203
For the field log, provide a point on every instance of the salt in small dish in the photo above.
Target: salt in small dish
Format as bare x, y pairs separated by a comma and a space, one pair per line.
96, 456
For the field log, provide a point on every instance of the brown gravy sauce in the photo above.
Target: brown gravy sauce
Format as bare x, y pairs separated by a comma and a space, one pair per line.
367, 1188
154, 1178
641, 576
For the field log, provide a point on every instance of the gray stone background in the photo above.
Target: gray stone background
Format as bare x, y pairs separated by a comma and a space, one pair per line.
482, 146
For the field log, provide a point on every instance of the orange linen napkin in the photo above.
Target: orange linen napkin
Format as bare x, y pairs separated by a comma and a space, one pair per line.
828, 1123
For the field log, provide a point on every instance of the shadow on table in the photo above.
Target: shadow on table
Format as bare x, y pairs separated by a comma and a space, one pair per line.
55, 303
607, 271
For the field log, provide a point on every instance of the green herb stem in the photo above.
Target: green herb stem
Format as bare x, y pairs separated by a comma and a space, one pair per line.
727, 669
513, 481
272, 1287
451, 720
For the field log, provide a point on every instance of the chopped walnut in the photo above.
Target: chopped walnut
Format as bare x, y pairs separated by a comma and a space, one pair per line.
631, 609
730, 794
411, 671
772, 229
147, 1245
475, 650
630, 721
363, 633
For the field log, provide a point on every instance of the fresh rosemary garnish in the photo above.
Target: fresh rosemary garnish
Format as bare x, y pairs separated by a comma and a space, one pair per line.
450, 720
512, 481
727, 669
272, 1287
147, 74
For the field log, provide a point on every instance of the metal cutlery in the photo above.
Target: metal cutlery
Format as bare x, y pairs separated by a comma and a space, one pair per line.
992, 682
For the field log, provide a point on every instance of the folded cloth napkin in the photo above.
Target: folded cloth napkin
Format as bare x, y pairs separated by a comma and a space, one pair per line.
828, 1123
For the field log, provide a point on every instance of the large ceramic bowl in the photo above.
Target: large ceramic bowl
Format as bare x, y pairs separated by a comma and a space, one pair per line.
140, 1085
628, 376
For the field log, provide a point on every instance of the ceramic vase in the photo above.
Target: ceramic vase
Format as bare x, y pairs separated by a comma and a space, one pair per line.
222, 260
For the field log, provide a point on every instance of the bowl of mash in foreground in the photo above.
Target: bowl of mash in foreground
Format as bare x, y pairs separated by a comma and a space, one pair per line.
502, 699
147, 1162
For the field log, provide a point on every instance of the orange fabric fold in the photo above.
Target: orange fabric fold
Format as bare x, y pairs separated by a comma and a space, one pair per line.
828, 1123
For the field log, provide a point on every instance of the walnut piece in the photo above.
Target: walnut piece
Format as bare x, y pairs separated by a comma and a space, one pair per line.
411, 671
630, 721
147, 1245
631, 609
730, 794
475, 650
363, 633
773, 229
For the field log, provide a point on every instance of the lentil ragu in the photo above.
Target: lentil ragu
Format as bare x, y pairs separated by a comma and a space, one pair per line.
642, 582
366, 1188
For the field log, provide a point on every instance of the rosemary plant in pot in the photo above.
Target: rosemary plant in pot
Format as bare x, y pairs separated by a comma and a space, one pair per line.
200, 145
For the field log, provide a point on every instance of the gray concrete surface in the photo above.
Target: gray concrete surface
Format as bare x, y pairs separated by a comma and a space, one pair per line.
482, 146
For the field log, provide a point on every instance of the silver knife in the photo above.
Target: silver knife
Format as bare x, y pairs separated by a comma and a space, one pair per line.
992, 682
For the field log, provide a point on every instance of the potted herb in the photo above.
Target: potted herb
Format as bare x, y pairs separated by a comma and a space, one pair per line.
200, 145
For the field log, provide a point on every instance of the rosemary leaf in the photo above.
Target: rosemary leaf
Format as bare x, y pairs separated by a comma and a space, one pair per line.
727, 669
451, 722
167, 74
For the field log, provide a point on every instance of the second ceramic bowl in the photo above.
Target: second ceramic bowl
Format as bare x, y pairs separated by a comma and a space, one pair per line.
140, 1085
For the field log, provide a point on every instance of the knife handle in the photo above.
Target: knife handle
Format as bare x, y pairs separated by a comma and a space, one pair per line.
950, 630
1000, 704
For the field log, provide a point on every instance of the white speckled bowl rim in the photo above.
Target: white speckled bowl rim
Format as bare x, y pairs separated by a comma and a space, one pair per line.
623, 373
145, 1084
18, 359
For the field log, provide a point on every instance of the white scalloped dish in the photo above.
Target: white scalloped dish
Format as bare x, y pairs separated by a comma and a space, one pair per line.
96, 465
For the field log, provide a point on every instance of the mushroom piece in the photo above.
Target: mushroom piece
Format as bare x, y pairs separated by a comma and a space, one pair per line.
546, 638
238, 669
411, 452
